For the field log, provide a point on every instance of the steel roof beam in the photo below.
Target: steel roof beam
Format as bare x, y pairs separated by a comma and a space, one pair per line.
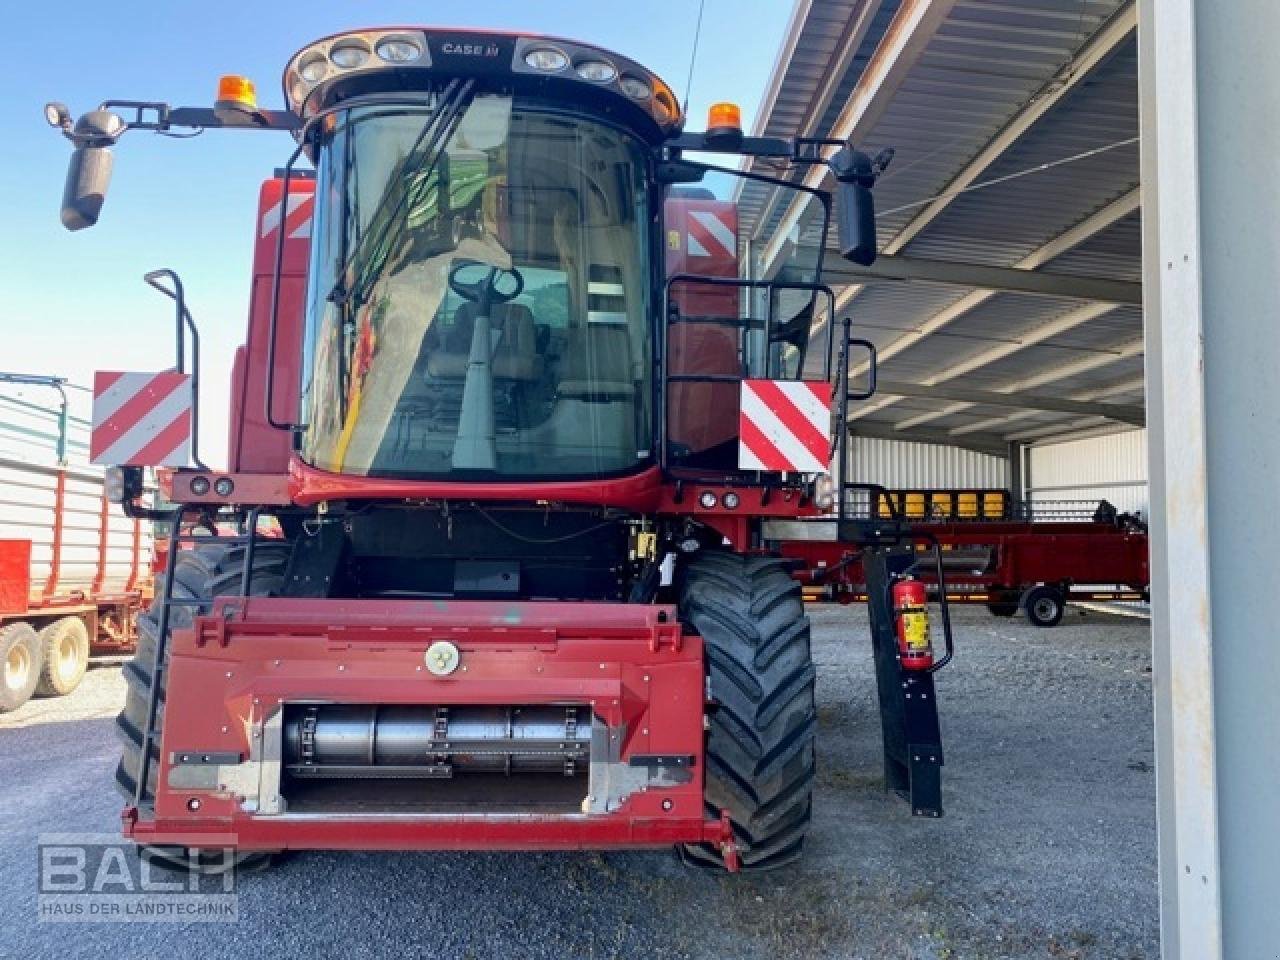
1063, 324
1089, 227
1062, 372
993, 279
913, 26
988, 443
1132, 385
1125, 413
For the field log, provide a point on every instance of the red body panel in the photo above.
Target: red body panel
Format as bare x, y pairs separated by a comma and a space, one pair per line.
15, 575
256, 446
234, 669
702, 239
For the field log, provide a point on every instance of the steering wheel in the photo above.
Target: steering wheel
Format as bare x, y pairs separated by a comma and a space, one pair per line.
484, 284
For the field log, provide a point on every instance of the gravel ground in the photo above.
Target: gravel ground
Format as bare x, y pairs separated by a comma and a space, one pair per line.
1047, 849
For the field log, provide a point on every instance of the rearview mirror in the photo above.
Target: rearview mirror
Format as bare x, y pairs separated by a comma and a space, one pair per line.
89, 172
856, 174
856, 223
88, 176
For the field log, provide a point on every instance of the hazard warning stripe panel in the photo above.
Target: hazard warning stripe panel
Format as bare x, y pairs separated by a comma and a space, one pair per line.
785, 426
141, 419
298, 220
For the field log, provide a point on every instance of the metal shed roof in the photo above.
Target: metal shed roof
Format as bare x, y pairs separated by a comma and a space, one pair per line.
1015, 126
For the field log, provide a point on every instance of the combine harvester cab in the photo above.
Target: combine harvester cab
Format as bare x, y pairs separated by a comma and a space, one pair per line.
506, 430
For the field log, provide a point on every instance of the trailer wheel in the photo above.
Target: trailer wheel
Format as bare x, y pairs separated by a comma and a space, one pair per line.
1044, 605
64, 650
19, 664
760, 744
199, 574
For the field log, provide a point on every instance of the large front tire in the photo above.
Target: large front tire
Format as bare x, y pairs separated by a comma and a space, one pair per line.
199, 574
760, 746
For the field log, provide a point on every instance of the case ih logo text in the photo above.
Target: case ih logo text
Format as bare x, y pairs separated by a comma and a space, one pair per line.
469, 49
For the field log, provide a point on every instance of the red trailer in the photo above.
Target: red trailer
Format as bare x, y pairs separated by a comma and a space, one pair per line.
1033, 557
74, 570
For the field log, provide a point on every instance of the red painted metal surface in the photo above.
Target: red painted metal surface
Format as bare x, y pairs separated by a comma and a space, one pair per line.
233, 669
639, 491
104, 519
263, 489
59, 513
256, 446
15, 575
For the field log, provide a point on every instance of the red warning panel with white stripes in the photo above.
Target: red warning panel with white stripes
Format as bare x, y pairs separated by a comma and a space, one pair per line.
785, 426
141, 419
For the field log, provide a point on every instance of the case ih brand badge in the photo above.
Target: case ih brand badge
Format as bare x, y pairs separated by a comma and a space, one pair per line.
297, 223
141, 419
456, 49
785, 425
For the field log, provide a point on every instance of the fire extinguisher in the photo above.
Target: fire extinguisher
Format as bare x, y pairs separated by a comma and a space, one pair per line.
911, 617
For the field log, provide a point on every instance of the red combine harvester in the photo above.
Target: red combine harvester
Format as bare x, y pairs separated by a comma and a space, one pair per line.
520, 431
73, 572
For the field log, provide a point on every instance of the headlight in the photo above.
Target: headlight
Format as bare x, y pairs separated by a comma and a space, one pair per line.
708, 500
731, 500
824, 492
113, 484
598, 71
224, 486
313, 68
199, 486
547, 59
398, 49
634, 88
349, 54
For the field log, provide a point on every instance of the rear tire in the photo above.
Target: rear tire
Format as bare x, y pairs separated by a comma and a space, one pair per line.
64, 648
19, 664
760, 746
202, 573
1044, 606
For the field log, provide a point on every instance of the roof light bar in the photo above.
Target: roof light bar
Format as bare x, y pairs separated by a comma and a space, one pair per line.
402, 51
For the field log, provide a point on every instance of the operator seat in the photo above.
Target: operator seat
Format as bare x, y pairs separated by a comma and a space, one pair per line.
597, 364
514, 358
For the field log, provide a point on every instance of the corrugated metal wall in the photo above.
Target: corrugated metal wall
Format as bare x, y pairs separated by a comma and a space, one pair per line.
1112, 468
898, 464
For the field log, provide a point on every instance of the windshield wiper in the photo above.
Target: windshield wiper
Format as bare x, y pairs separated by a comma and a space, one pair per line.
428, 145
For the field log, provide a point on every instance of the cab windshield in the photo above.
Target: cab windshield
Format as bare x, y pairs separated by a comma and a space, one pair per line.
479, 295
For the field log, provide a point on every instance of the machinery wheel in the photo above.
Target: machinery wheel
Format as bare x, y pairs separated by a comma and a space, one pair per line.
19, 664
202, 573
1044, 605
64, 649
760, 745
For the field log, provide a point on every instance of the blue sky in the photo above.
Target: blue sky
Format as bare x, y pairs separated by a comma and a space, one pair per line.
76, 302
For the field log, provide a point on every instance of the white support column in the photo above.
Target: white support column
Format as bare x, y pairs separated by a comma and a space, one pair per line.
1211, 222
